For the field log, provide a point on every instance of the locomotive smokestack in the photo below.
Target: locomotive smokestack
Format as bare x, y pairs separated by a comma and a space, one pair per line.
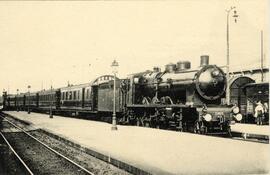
204, 60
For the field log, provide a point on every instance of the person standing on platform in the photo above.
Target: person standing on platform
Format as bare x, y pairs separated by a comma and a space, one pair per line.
266, 113
259, 113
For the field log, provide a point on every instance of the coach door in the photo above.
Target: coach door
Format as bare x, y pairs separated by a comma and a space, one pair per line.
95, 98
83, 99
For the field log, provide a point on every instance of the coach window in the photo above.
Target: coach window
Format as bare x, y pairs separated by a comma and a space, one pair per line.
78, 95
74, 95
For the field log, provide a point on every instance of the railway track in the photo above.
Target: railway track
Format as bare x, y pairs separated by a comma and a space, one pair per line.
70, 159
37, 157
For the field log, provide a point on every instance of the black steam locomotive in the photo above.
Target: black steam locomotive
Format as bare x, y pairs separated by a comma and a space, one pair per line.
178, 98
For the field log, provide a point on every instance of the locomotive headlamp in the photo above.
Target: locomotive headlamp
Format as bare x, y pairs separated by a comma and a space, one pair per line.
136, 80
236, 110
207, 117
215, 73
238, 117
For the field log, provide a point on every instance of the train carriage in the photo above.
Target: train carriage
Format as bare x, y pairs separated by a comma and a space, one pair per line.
32, 101
21, 101
11, 102
49, 99
83, 98
73, 97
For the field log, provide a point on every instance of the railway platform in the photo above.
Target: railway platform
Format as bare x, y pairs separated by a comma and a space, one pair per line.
251, 130
158, 151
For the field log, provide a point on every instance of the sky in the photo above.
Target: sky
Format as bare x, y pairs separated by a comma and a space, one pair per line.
44, 43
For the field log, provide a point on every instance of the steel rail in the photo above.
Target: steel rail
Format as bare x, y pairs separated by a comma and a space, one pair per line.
49, 148
15, 153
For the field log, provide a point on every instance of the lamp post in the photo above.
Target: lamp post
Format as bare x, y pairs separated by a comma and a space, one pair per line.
114, 68
17, 100
51, 113
228, 52
28, 98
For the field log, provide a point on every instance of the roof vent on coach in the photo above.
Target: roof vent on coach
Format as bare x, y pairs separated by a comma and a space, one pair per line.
204, 60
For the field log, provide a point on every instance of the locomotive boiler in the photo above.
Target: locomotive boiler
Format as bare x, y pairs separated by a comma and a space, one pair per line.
178, 82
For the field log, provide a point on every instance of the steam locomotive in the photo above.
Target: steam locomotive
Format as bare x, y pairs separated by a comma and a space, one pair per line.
178, 98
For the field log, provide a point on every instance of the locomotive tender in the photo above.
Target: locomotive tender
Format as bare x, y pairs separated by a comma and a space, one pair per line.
178, 98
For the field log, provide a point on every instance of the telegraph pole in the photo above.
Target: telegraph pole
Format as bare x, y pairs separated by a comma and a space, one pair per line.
262, 78
228, 51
